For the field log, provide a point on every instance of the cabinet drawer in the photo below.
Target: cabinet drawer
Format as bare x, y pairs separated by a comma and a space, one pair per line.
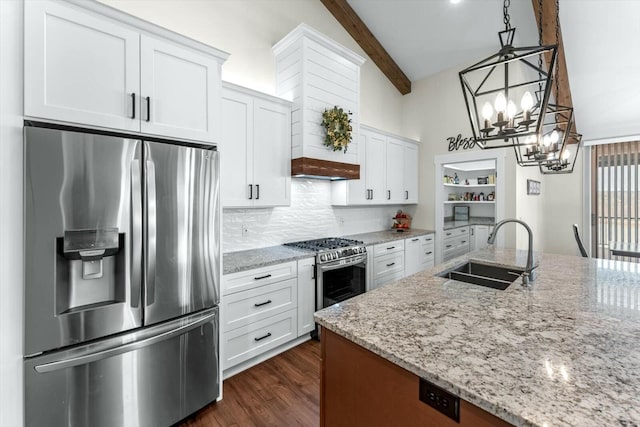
455, 251
248, 341
388, 248
456, 232
387, 278
428, 239
388, 264
250, 279
243, 308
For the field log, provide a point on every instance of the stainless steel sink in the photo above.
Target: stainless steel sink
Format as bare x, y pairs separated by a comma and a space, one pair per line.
492, 276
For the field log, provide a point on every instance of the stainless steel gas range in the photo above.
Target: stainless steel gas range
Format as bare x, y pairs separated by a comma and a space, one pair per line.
341, 268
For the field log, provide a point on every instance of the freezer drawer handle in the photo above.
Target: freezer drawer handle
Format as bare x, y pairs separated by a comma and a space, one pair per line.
262, 277
260, 304
389, 265
263, 337
114, 351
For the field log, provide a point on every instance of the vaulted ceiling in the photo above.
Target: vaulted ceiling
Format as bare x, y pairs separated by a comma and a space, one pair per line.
601, 43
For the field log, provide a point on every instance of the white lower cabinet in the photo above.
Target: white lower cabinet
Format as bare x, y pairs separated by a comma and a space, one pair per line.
419, 254
265, 308
479, 235
455, 242
388, 263
306, 295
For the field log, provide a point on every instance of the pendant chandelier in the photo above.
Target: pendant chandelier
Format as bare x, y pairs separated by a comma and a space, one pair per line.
547, 149
504, 81
566, 161
535, 150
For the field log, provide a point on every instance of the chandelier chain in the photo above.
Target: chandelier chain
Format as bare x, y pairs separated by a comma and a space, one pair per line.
505, 12
540, 42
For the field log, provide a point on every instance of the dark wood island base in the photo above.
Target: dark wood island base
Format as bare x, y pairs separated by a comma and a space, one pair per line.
360, 388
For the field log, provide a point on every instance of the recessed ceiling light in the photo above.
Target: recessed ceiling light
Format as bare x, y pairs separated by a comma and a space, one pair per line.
455, 1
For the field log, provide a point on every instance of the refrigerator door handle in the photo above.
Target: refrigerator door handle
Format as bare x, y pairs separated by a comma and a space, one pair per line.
151, 232
136, 230
104, 353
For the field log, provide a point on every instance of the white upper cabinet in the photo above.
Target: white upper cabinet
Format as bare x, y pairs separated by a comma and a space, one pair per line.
388, 172
80, 68
410, 172
395, 170
91, 65
272, 152
180, 89
256, 149
375, 167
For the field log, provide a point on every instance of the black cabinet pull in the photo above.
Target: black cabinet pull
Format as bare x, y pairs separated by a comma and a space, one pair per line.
371, 198
392, 247
262, 277
388, 194
429, 253
448, 246
250, 191
148, 108
263, 337
260, 304
406, 195
257, 191
133, 105
464, 241
414, 240
389, 265
448, 234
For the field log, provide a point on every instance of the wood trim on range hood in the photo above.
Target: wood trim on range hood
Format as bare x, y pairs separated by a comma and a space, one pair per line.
323, 169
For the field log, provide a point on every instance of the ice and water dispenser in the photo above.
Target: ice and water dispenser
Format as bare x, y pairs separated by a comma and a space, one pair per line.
90, 269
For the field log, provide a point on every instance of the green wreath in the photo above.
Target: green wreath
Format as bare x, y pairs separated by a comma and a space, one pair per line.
337, 124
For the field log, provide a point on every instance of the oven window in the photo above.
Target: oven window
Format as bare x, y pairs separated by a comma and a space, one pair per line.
343, 283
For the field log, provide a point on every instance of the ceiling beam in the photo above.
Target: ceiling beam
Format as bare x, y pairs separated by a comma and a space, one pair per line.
548, 25
351, 22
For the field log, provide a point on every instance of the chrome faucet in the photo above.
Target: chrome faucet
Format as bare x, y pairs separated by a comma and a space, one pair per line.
528, 275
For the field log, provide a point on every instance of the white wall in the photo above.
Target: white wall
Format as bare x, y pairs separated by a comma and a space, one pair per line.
11, 223
247, 29
530, 208
310, 216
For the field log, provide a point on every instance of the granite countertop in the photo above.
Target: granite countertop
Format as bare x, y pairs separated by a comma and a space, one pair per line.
234, 262
474, 220
565, 352
384, 236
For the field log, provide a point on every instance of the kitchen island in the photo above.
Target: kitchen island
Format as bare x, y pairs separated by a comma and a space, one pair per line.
565, 352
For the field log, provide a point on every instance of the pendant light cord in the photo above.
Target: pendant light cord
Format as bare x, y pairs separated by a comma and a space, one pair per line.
505, 13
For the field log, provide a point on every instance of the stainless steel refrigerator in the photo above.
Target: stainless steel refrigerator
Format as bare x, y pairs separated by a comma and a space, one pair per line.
122, 279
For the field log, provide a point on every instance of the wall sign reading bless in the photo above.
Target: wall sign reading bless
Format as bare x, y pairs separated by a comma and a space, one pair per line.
458, 142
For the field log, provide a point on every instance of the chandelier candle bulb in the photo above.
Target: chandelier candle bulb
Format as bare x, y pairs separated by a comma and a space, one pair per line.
527, 104
487, 113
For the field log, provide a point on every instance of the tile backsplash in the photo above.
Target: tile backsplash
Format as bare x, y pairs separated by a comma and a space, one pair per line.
310, 216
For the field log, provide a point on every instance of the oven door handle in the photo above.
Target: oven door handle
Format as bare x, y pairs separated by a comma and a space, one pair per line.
342, 263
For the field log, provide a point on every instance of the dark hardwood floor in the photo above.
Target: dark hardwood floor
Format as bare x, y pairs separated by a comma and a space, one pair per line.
282, 391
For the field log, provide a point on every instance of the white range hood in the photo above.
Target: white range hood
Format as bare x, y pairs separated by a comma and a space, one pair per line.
316, 73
